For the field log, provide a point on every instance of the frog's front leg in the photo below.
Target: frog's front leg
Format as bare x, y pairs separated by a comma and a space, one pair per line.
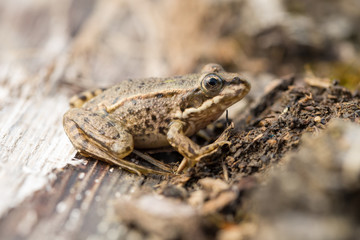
95, 135
191, 152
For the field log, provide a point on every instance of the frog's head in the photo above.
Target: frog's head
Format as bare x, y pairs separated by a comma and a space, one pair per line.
214, 93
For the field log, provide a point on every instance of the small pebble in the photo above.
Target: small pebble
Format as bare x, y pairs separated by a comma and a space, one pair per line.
317, 119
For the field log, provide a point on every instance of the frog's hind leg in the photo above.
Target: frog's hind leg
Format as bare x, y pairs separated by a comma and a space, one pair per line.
95, 135
80, 99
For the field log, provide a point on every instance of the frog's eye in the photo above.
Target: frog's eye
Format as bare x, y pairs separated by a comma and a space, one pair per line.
211, 84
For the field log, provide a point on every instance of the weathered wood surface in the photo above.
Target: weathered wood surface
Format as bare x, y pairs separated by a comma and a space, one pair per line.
79, 204
32, 140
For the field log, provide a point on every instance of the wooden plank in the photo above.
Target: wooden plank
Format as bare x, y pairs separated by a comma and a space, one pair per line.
79, 204
32, 143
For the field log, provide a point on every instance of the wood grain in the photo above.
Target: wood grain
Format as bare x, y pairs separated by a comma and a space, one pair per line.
79, 204
32, 143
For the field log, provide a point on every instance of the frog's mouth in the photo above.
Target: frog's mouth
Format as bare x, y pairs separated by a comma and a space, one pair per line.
234, 92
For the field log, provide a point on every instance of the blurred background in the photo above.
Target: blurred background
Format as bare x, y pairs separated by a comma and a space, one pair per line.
92, 43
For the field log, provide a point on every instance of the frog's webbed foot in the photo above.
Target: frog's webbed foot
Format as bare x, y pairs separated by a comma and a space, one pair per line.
185, 146
97, 136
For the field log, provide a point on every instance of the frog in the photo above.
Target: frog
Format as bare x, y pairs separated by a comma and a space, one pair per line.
146, 113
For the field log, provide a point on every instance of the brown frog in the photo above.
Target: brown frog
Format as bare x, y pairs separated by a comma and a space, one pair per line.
151, 113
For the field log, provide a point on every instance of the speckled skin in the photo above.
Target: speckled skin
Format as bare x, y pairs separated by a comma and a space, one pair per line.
151, 113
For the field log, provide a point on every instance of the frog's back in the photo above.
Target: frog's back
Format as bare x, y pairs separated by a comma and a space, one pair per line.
142, 87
